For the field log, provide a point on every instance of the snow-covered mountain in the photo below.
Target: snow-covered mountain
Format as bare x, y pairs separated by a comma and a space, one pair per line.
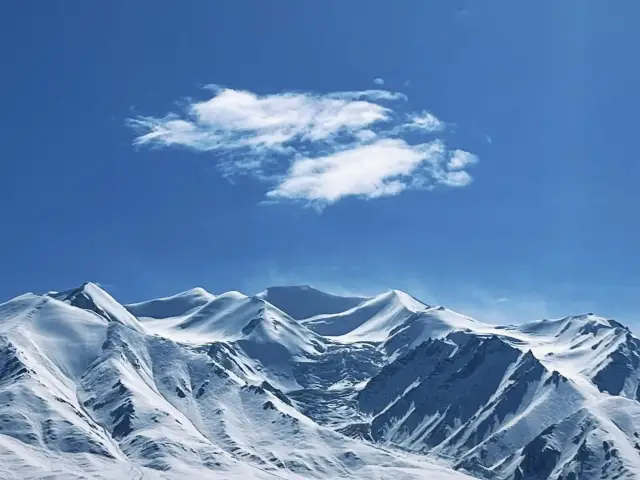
297, 383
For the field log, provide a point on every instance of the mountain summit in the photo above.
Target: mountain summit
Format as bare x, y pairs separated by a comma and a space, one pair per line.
298, 383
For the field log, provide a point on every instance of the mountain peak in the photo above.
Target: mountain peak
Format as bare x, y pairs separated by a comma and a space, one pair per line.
196, 291
89, 296
407, 300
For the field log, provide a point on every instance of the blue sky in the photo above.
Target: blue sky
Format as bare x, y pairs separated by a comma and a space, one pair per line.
476, 154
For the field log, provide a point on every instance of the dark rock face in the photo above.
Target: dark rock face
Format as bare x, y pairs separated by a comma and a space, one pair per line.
81, 299
443, 380
539, 458
455, 394
622, 364
361, 431
278, 393
123, 417
11, 367
249, 327
393, 380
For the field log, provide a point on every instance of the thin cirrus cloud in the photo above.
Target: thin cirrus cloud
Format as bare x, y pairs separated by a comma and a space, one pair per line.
425, 121
315, 148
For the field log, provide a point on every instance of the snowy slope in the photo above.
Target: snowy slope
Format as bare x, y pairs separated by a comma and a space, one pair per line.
173, 306
433, 322
371, 320
265, 340
297, 383
231, 316
394, 319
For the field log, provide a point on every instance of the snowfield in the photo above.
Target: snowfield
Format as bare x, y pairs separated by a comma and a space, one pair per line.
295, 383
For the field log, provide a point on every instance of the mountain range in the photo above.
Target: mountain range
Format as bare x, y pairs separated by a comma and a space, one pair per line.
296, 383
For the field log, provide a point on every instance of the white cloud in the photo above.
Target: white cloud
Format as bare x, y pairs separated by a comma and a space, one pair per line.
425, 121
372, 94
235, 119
315, 147
379, 169
366, 135
458, 178
378, 81
460, 159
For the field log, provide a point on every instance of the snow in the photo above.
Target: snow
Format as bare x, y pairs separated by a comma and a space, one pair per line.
91, 297
370, 321
61, 338
298, 383
174, 306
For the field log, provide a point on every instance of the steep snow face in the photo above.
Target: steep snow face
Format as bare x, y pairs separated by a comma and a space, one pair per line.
300, 302
45, 346
39, 409
59, 338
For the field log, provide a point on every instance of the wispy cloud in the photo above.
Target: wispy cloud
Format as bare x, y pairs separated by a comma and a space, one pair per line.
378, 81
425, 121
314, 147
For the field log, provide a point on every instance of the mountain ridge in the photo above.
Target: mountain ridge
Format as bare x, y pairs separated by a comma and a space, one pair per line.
233, 386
